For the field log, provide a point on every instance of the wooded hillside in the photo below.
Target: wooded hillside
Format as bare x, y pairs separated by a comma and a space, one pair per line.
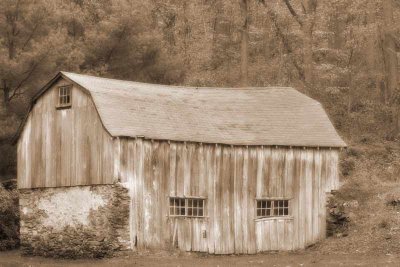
342, 53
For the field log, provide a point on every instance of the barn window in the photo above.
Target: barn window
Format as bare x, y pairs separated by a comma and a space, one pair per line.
195, 207
272, 208
188, 207
64, 96
177, 206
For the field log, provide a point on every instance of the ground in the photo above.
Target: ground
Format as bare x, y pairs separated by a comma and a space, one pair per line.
302, 258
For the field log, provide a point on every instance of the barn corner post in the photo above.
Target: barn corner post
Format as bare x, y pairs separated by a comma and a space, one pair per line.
133, 179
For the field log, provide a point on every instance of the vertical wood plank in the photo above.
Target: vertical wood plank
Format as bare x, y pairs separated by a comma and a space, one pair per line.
131, 183
188, 153
259, 236
322, 194
164, 195
139, 164
172, 169
295, 203
252, 183
316, 194
225, 203
238, 200
308, 196
217, 202
269, 173
260, 177
210, 169
180, 171
245, 201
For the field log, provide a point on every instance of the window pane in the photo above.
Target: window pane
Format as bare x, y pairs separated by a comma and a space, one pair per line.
268, 212
276, 208
64, 95
186, 207
268, 208
286, 211
176, 207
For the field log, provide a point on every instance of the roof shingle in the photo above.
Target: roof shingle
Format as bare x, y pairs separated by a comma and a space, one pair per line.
237, 116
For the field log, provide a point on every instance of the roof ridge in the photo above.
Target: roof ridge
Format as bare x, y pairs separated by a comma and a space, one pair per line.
182, 86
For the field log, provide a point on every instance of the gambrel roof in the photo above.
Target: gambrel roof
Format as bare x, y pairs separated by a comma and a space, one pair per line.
237, 116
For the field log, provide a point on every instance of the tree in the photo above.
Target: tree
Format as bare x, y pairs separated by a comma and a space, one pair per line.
389, 50
306, 22
30, 44
244, 43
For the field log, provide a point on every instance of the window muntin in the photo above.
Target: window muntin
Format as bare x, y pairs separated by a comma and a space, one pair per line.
272, 208
177, 206
195, 207
187, 207
64, 96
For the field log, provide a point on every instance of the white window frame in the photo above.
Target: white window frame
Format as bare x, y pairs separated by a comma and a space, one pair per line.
276, 204
64, 96
188, 210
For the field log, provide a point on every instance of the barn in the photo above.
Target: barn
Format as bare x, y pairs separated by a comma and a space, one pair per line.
107, 165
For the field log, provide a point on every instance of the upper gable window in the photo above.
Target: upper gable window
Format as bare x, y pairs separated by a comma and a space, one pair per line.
64, 96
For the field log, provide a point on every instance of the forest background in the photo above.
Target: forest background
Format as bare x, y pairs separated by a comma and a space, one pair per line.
343, 53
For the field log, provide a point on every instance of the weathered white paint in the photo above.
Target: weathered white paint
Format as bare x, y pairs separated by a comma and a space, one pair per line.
70, 207
25, 210
132, 227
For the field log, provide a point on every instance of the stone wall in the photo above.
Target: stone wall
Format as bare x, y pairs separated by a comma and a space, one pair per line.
72, 222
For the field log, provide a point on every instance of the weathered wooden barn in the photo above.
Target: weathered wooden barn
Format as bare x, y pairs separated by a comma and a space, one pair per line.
105, 165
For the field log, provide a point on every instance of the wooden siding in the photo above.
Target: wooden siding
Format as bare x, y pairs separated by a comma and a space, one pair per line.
64, 147
231, 179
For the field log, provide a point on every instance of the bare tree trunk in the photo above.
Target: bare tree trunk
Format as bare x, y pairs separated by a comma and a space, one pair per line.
6, 95
307, 29
308, 51
337, 26
306, 22
187, 34
244, 44
390, 63
389, 50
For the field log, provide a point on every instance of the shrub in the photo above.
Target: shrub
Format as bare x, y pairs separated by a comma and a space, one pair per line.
353, 152
9, 219
347, 166
337, 219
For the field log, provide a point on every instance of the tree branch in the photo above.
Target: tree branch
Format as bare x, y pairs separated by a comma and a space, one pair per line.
286, 43
32, 33
293, 12
120, 36
303, 7
16, 91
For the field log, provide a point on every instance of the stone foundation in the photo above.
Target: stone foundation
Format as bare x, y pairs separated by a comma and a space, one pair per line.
72, 222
